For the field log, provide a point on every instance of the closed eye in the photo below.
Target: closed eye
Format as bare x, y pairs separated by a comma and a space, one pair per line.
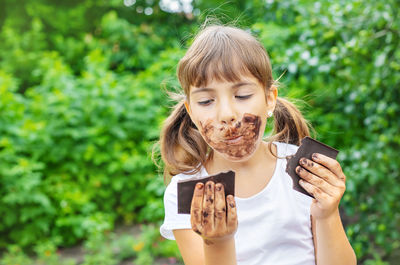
244, 97
205, 102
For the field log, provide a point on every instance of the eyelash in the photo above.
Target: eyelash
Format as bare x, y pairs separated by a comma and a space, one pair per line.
205, 102
208, 102
243, 97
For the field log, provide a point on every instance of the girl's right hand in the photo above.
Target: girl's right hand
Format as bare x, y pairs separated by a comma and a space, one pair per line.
213, 218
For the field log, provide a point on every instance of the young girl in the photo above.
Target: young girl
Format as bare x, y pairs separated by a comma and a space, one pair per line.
218, 126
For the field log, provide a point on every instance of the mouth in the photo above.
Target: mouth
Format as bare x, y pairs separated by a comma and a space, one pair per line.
233, 140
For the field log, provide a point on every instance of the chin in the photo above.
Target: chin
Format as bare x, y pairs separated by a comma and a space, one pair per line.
235, 155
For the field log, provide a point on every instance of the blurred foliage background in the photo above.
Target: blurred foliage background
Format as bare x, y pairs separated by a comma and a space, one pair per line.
82, 101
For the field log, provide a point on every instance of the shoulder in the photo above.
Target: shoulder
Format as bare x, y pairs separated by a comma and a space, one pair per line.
285, 149
172, 186
188, 175
173, 220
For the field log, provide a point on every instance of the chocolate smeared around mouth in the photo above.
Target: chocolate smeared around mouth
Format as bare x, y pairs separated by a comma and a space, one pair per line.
237, 140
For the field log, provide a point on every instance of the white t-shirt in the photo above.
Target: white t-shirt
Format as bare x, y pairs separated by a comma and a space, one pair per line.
274, 226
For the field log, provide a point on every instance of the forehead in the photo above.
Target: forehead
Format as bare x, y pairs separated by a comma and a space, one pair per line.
232, 71
214, 84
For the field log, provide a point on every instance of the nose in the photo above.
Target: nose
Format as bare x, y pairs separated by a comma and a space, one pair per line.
227, 113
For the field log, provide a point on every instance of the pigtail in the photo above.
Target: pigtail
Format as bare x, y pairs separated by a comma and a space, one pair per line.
182, 147
290, 126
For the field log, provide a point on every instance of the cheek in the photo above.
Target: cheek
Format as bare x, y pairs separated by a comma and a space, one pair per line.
258, 105
200, 121
195, 115
201, 115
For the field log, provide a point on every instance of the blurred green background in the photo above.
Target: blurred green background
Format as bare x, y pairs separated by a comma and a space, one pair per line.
82, 101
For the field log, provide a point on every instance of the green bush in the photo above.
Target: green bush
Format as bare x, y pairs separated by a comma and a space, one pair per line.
77, 147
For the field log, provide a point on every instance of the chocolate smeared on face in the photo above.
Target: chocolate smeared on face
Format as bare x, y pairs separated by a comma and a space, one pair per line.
237, 140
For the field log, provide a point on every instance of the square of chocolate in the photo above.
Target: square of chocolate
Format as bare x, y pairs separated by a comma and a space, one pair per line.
186, 188
307, 148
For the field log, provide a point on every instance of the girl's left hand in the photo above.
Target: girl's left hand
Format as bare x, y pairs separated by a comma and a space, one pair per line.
324, 179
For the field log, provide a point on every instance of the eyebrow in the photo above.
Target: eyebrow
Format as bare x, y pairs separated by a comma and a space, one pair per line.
234, 86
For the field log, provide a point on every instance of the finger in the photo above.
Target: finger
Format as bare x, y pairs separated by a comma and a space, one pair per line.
330, 163
220, 208
208, 207
232, 222
318, 194
317, 181
196, 208
321, 172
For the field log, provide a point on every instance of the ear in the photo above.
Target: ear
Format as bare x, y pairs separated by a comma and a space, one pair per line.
187, 107
272, 96
274, 91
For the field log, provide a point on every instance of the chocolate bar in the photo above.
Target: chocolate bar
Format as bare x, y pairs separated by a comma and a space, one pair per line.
307, 148
186, 188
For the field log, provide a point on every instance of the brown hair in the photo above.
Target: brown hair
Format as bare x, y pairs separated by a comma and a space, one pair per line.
221, 53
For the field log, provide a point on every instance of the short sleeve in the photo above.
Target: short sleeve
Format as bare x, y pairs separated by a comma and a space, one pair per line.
285, 149
172, 219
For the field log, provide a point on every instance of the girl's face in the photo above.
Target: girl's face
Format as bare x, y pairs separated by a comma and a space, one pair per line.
231, 116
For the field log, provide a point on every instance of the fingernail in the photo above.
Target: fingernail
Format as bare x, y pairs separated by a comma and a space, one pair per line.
230, 201
298, 169
303, 161
199, 185
218, 187
197, 231
314, 156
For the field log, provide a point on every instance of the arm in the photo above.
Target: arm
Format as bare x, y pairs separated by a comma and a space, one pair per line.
331, 242
190, 246
214, 224
192, 249
324, 179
